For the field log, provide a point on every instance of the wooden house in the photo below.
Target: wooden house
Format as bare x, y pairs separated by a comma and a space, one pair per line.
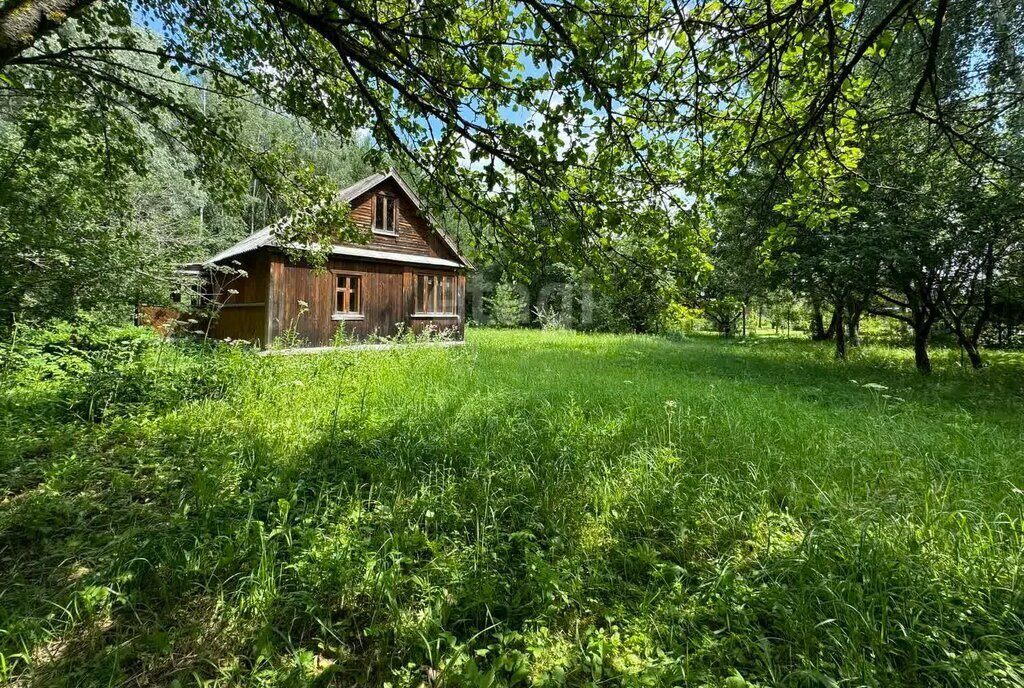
410, 276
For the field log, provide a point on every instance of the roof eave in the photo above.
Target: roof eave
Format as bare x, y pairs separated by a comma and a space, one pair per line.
264, 237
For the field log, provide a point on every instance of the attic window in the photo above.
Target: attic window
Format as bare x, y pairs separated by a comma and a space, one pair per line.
385, 214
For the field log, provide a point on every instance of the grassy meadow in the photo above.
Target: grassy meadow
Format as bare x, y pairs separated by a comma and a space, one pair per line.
535, 508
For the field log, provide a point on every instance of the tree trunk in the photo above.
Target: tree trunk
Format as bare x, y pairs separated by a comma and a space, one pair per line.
818, 331
6, 324
973, 354
968, 334
837, 323
833, 324
817, 324
921, 359
853, 324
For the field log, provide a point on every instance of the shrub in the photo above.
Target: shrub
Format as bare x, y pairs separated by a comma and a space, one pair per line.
682, 319
72, 348
506, 307
551, 319
92, 370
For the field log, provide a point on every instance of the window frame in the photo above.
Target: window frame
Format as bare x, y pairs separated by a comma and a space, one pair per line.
348, 315
418, 293
387, 197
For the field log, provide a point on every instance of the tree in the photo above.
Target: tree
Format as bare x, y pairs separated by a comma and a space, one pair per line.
506, 308
881, 203
578, 108
948, 224
612, 118
978, 253
56, 237
98, 209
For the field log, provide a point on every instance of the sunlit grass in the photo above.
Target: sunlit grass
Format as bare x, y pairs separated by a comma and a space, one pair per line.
534, 508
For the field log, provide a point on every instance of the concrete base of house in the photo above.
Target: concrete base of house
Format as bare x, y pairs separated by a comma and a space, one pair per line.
362, 347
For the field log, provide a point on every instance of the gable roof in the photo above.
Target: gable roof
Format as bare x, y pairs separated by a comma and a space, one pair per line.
265, 237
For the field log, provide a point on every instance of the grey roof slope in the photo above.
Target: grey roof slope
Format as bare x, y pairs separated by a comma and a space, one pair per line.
265, 236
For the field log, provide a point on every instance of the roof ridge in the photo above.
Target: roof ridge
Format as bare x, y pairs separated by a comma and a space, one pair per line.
264, 237
434, 224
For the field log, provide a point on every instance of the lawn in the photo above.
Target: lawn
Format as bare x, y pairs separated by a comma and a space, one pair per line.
536, 508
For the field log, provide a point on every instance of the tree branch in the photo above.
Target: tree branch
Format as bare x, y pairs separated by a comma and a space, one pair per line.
23, 23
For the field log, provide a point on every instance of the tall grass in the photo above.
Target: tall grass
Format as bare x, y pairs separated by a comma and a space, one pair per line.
536, 508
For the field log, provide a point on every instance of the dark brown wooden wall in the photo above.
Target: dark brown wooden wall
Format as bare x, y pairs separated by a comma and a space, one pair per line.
414, 233
244, 315
387, 300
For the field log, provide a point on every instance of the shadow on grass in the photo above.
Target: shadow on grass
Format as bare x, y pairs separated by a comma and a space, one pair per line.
115, 559
802, 371
514, 540
794, 365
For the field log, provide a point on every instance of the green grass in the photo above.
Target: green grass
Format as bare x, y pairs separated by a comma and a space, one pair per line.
532, 509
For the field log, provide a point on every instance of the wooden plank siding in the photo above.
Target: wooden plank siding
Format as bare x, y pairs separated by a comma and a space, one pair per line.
268, 303
244, 315
387, 304
414, 234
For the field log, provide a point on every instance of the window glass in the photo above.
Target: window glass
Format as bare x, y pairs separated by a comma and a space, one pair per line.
347, 294
385, 214
379, 213
435, 294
